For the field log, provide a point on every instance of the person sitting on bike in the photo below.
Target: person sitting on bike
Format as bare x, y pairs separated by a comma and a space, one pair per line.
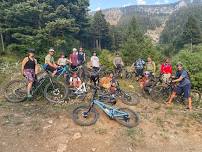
118, 63
75, 81
95, 64
145, 82
166, 70
150, 66
62, 61
29, 68
50, 64
139, 67
81, 56
184, 86
74, 59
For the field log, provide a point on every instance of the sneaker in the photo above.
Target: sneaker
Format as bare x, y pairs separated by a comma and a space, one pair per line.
29, 96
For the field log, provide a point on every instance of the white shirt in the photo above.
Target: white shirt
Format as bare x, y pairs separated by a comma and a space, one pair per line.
62, 61
95, 61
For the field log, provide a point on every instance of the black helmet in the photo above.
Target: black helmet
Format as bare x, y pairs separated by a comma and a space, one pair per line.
31, 50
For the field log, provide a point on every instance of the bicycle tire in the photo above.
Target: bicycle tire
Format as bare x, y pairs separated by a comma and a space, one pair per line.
76, 114
158, 94
130, 99
21, 96
132, 115
61, 98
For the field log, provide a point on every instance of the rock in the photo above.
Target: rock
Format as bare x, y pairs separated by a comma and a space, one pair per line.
76, 136
62, 148
130, 149
46, 127
93, 149
131, 86
50, 121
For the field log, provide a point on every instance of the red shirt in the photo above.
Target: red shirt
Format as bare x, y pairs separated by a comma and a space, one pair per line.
74, 59
166, 68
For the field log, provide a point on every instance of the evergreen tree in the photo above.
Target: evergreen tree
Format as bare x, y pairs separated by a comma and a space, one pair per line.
100, 31
191, 33
136, 45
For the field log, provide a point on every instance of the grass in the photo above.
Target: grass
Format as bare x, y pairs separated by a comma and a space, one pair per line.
159, 122
136, 134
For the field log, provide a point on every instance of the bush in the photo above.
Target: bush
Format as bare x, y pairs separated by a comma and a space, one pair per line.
192, 63
106, 59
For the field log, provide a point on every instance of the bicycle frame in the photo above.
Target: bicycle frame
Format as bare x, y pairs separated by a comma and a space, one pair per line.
109, 110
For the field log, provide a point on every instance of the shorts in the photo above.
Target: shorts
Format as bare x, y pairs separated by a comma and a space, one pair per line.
185, 90
49, 68
30, 75
139, 72
165, 78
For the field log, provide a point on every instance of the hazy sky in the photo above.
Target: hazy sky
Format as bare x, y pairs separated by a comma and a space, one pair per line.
102, 4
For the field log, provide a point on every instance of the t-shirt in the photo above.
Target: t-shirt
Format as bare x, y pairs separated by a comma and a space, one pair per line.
150, 66
139, 64
95, 61
118, 61
62, 61
48, 59
166, 69
81, 57
74, 59
77, 79
185, 76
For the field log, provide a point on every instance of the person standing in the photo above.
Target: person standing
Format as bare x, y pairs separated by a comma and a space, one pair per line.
74, 58
118, 64
95, 64
150, 66
81, 56
28, 69
166, 70
139, 68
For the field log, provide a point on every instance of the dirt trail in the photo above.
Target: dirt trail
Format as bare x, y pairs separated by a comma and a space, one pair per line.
40, 127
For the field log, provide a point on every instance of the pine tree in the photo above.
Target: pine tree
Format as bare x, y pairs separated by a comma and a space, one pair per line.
100, 31
191, 33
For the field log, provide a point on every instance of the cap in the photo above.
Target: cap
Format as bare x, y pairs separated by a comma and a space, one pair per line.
51, 50
74, 49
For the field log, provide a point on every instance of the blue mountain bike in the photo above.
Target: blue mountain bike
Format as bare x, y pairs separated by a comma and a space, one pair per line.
88, 115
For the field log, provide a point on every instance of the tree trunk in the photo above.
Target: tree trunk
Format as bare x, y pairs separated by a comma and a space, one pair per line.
97, 43
2, 42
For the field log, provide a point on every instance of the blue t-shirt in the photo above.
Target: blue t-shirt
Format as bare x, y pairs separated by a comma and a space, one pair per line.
185, 76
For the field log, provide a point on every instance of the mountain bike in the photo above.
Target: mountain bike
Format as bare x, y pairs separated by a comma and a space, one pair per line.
78, 93
53, 91
127, 98
162, 93
88, 115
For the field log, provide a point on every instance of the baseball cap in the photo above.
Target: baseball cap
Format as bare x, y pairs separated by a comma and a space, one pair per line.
51, 50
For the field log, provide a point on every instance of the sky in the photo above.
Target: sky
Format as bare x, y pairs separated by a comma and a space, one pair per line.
103, 4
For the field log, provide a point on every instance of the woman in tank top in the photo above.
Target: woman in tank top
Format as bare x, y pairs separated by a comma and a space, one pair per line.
29, 67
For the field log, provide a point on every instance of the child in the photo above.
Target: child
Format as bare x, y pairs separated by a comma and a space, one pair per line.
75, 81
62, 61
145, 82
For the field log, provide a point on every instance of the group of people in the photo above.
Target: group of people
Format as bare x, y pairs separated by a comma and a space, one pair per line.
143, 71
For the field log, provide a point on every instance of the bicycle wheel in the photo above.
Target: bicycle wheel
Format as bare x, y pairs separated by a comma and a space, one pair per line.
196, 97
55, 92
131, 121
159, 94
129, 98
16, 91
81, 119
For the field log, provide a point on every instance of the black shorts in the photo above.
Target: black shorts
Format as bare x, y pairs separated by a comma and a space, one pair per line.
139, 72
49, 68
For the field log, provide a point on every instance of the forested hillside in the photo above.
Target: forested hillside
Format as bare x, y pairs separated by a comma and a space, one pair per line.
178, 21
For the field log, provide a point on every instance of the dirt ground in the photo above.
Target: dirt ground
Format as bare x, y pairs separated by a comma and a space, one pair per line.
41, 127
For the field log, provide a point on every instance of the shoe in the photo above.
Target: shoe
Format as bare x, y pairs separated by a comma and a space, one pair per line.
29, 96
